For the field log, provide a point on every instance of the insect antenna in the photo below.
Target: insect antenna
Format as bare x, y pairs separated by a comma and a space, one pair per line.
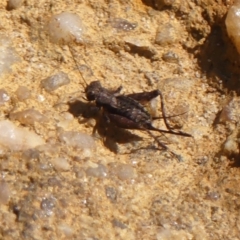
75, 61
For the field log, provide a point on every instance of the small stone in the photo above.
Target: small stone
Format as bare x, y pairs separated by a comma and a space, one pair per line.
66, 121
60, 163
66, 229
49, 149
232, 24
4, 97
111, 193
54, 82
231, 146
23, 93
8, 55
124, 171
230, 112
28, 117
139, 46
167, 35
30, 154
48, 205
117, 223
122, 24
65, 27
213, 196
4, 192
100, 171
77, 140
170, 57
17, 138
54, 182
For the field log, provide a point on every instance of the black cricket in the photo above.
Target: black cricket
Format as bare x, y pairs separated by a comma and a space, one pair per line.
127, 111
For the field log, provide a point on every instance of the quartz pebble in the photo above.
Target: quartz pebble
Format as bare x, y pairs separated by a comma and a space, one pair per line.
60, 163
48, 205
66, 121
231, 146
4, 192
8, 55
100, 171
54, 82
77, 139
233, 24
4, 97
23, 93
17, 138
122, 24
65, 27
124, 171
28, 117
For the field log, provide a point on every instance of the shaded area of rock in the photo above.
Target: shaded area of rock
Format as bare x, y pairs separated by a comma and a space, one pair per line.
140, 47
14, 4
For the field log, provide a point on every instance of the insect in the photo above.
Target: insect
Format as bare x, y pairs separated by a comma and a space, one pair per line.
127, 111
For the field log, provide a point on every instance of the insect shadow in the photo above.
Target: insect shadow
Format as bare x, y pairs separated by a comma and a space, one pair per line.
110, 134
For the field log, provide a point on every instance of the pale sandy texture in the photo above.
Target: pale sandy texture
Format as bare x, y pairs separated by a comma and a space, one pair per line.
63, 191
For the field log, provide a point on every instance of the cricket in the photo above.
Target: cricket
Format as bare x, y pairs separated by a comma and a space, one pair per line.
128, 111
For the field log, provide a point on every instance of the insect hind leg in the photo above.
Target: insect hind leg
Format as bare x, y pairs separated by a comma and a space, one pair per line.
163, 146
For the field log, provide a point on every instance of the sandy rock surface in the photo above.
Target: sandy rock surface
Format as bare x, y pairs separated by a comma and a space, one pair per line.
114, 183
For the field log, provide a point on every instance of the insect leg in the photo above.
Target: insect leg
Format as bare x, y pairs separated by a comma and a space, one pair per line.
144, 97
162, 145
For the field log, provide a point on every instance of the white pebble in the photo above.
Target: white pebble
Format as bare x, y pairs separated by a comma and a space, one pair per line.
65, 27
28, 117
40, 98
77, 140
18, 138
54, 82
4, 97
8, 56
66, 229
4, 192
231, 147
100, 171
60, 163
233, 24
